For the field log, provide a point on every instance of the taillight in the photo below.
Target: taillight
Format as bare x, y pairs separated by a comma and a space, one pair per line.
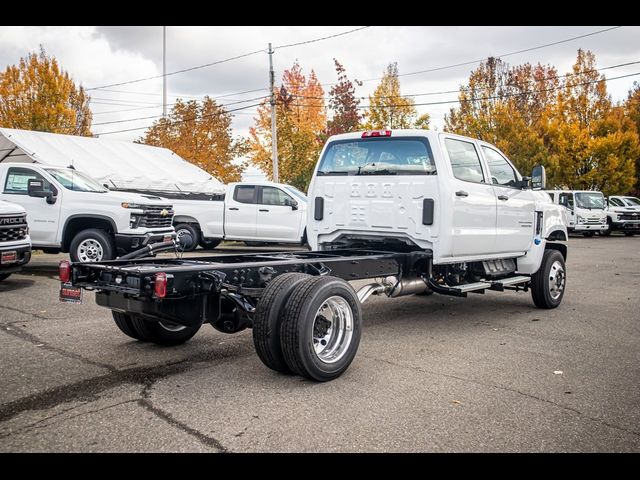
64, 269
376, 133
160, 285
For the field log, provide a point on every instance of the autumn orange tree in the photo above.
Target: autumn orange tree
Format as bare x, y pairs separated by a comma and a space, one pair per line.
632, 110
535, 116
201, 133
388, 108
343, 104
300, 121
38, 95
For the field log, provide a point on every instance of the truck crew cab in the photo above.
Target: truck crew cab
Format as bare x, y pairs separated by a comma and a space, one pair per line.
413, 211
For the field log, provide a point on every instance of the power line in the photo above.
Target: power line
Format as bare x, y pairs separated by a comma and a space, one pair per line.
470, 62
197, 67
181, 121
320, 39
158, 116
467, 88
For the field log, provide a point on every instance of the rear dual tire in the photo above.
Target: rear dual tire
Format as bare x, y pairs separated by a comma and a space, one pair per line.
160, 332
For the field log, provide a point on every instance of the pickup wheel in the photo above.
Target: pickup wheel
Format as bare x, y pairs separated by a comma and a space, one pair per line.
268, 318
629, 234
183, 228
4, 276
549, 282
320, 332
125, 324
91, 245
163, 332
209, 243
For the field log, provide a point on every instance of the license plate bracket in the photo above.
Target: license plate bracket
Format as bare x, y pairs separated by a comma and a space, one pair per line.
10, 256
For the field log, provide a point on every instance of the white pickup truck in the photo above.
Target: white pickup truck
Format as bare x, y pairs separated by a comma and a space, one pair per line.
623, 214
413, 211
15, 244
70, 212
254, 212
585, 210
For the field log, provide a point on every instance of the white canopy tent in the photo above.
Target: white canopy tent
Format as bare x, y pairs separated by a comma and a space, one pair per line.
122, 165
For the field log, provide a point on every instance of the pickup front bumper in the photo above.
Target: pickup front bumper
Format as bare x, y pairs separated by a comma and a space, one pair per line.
23, 253
128, 243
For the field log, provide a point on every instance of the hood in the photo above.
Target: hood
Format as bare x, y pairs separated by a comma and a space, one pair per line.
137, 198
7, 208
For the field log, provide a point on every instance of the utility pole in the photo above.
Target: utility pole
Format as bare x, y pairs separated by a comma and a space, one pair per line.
164, 72
274, 135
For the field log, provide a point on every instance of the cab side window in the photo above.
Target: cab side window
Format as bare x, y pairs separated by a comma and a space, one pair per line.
275, 196
566, 199
465, 161
502, 173
18, 180
245, 194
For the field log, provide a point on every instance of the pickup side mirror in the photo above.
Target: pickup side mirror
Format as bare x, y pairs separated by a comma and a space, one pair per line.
538, 178
35, 188
291, 203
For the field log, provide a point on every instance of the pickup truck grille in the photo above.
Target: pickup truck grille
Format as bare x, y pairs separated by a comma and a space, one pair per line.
13, 228
630, 216
157, 216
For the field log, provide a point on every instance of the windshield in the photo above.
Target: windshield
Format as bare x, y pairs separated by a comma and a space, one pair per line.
378, 156
73, 180
296, 193
632, 201
590, 200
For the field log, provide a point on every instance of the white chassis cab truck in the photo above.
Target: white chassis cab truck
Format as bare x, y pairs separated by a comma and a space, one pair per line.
70, 212
15, 244
585, 210
412, 211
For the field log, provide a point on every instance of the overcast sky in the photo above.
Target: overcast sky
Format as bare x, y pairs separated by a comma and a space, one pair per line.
98, 56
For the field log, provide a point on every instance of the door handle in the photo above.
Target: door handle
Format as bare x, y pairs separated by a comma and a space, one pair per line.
503, 197
233, 208
264, 210
461, 193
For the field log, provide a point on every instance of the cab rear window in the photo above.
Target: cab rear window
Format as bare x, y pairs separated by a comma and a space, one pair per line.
378, 156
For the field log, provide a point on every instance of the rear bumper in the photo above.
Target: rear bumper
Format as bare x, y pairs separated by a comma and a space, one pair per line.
128, 243
23, 254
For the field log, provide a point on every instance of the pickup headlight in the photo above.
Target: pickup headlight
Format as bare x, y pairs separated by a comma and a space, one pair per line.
131, 205
134, 221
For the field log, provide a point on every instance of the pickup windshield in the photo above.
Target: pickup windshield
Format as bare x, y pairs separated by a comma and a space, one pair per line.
632, 201
590, 200
378, 156
73, 180
296, 193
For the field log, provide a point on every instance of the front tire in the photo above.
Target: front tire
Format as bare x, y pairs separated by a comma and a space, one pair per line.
4, 276
549, 282
183, 228
320, 332
209, 243
92, 245
268, 319
629, 234
163, 332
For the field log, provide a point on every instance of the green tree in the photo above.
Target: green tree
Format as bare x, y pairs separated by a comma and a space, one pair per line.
201, 133
300, 122
387, 107
38, 95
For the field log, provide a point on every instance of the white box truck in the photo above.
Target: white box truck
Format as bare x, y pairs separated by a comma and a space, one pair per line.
585, 210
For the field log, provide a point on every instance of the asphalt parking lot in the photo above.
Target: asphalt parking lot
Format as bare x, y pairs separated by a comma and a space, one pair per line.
434, 374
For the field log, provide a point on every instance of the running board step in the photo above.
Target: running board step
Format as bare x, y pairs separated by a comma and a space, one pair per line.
478, 287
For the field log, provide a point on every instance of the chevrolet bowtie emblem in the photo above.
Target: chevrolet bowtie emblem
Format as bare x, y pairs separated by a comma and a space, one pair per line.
164, 212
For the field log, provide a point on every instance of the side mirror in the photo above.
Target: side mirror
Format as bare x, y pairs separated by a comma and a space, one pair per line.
35, 188
291, 203
538, 178
106, 185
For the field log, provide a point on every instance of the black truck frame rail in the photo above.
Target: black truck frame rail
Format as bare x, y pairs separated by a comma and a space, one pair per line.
223, 289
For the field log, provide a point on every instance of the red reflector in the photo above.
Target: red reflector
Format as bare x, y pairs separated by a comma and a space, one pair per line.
376, 133
64, 269
160, 287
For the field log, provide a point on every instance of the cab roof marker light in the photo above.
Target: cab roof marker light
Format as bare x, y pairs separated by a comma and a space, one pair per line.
376, 133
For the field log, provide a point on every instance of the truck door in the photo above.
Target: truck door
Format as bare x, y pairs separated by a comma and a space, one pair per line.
241, 213
516, 207
566, 199
43, 218
277, 219
473, 226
